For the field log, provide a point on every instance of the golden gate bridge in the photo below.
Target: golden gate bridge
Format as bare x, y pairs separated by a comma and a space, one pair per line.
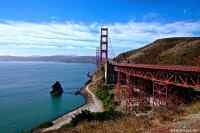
146, 84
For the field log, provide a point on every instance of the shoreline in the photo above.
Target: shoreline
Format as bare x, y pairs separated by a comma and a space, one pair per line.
92, 103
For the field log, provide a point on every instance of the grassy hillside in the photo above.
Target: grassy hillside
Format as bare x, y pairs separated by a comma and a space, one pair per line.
173, 51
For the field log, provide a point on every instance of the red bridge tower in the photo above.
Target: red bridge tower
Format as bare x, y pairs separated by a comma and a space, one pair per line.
104, 45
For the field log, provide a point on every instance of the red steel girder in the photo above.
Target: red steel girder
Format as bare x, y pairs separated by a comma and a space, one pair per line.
183, 79
160, 67
162, 77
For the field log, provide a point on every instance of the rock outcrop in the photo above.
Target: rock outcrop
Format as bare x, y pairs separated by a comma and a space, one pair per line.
57, 89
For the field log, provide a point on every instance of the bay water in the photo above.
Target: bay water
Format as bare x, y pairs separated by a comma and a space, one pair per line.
25, 101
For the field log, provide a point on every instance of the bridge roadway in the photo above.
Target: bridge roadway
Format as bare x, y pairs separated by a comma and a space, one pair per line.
183, 76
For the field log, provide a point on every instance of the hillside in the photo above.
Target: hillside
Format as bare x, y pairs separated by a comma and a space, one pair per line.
173, 51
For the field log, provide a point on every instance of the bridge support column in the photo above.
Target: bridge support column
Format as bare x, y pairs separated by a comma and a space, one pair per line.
141, 97
160, 94
198, 80
117, 86
129, 95
136, 97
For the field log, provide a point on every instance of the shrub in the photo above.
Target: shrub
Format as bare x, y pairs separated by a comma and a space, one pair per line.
25, 131
105, 94
45, 124
89, 116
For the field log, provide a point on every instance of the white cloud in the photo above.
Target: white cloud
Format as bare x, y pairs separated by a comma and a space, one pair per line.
56, 34
138, 34
68, 36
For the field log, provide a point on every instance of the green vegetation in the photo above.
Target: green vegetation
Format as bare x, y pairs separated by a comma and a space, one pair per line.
41, 126
89, 116
45, 124
106, 95
25, 131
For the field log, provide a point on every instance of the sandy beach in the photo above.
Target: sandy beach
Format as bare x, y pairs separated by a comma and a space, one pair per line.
93, 104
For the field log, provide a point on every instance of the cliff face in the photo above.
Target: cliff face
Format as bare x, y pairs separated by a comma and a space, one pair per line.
174, 51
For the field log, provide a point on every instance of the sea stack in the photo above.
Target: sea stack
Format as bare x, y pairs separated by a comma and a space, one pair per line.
57, 89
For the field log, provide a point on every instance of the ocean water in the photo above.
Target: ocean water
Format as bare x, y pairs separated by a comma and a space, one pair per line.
25, 101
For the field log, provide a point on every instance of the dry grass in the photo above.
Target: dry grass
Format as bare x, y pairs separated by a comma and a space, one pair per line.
177, 51
126, 124
160, 120
193, 108
187, 118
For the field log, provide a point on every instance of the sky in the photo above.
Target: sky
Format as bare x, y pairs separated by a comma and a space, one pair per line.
71, 27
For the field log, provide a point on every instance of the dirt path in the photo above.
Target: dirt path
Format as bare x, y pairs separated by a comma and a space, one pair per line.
93, 104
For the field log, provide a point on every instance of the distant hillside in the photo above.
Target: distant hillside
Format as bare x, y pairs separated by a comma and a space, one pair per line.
56, 58
176, 51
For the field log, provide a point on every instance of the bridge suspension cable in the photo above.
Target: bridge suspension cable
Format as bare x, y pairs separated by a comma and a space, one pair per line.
111, 49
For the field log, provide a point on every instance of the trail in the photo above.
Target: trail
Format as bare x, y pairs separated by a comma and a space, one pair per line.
93, 104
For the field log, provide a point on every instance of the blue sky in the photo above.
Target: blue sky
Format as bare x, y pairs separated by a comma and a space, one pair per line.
71, 27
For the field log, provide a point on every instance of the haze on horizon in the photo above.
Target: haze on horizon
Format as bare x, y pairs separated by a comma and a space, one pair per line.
49, 27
